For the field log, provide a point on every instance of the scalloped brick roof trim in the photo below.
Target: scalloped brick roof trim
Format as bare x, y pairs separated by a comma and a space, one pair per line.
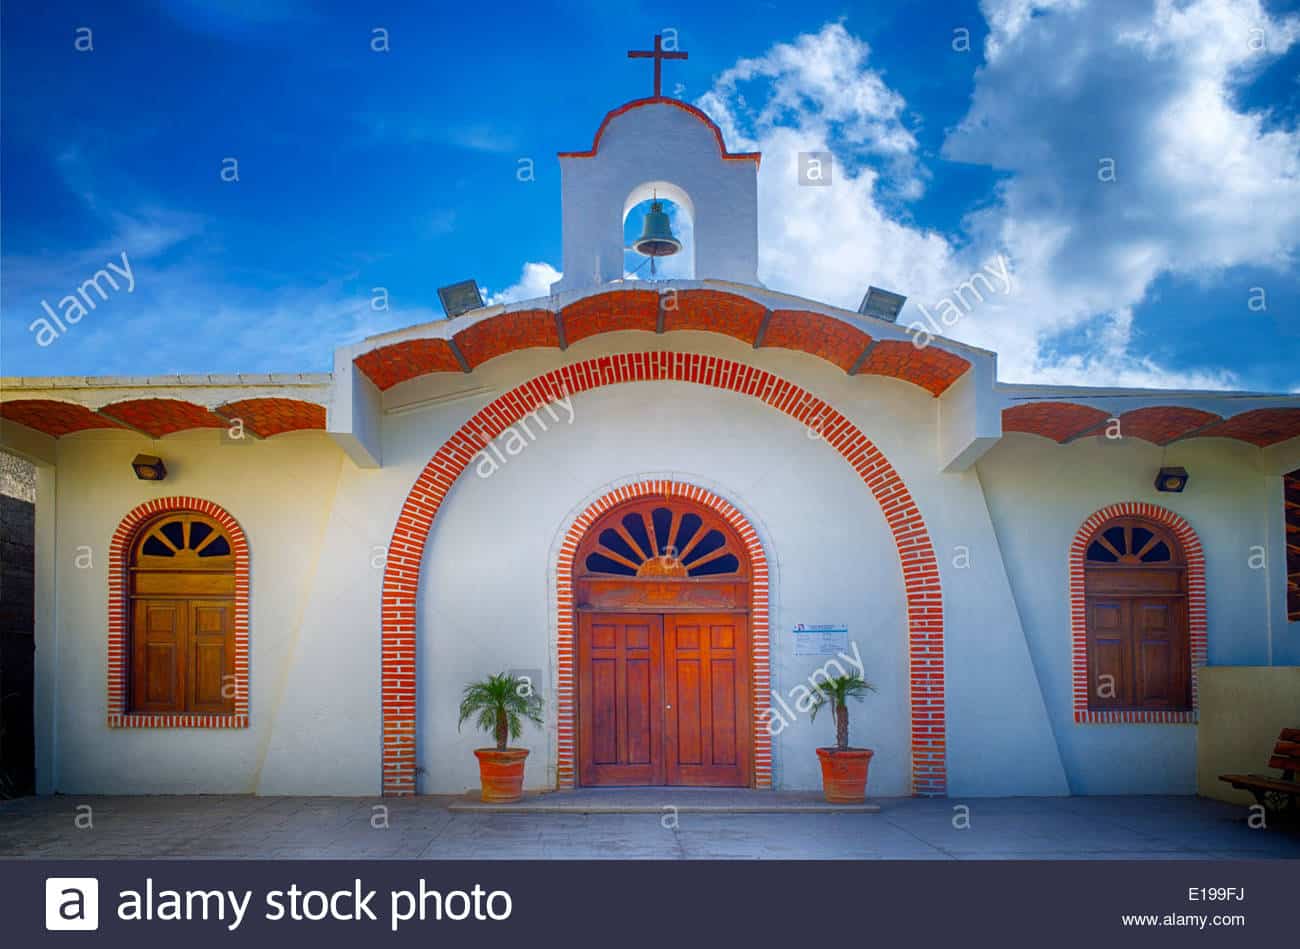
54, 417
159, 417
1059, 421
835, 340
1160, 424
264, 417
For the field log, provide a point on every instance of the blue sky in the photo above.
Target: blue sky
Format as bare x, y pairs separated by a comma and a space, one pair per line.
360, 169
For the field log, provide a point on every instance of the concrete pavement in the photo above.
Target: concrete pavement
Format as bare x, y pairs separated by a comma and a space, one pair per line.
423, 828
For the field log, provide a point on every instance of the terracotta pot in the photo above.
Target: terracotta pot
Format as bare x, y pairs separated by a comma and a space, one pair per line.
844, 774
502, 774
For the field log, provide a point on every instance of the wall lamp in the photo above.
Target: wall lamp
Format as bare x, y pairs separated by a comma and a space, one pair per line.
149, 467
1171, 479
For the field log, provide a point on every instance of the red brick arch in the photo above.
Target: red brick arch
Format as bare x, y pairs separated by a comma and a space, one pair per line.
760, 666
915, 551
119, 550
1197, 633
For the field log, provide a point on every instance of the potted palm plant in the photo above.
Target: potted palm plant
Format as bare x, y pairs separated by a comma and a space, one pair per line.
498, 705
844, 769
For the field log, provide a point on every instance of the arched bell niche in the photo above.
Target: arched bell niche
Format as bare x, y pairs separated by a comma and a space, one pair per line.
679, 207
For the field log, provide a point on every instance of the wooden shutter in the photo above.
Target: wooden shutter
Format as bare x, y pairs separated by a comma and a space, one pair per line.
211, 663
160, 637
1160, 660
1109, 653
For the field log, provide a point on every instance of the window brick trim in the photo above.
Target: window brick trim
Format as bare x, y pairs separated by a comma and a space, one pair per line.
119, 552
1197, 631
916, 555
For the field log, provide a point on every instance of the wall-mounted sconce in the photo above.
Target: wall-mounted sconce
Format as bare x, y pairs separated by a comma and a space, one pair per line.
149, 468
1171, 479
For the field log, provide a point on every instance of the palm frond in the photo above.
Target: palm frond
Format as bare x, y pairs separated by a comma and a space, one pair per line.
500, 695
838, 691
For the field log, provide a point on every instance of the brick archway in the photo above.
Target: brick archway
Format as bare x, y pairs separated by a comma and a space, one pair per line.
566, 650
915, 550
1197, 631
118, 561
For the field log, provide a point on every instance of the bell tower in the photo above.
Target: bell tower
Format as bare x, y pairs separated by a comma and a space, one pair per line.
665, 148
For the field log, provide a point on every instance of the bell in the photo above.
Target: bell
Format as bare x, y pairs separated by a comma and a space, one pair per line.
656, 238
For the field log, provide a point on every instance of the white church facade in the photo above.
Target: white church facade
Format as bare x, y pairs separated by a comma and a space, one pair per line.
668, 503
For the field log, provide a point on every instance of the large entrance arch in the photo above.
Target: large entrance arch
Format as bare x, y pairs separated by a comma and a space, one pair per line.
915, 551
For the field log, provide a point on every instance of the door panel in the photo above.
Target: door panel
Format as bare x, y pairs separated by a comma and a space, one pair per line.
706, 694
641, 705
212, 655
1108, 653
159, 635
723, 717
687, 724
1160, 661
620, 699
603, 710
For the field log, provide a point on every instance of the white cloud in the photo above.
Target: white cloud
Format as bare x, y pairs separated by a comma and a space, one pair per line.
1201, 184
534, 281
482, 138
829, 243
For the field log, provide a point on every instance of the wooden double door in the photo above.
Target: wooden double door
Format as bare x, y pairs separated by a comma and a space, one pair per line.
183, 655
663, 699
1138, 652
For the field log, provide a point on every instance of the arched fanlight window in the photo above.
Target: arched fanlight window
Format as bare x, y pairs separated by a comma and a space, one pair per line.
1129, 541
665, 553
184, 538
659, 540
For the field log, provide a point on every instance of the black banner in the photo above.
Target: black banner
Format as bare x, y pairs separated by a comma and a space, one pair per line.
671, 904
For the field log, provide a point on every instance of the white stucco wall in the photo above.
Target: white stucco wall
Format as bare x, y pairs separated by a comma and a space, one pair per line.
1040, 493
279, 490
318, 527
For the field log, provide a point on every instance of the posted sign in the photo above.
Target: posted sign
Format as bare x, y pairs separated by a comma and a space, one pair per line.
820, 640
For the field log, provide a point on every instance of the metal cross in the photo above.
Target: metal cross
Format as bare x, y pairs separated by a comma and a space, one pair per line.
658, 54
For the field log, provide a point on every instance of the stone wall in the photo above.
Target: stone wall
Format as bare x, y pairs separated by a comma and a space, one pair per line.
17, 584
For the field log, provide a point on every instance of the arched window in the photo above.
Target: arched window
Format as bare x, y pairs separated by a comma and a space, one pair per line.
1136, 595
660, 541
662, 553
181, 617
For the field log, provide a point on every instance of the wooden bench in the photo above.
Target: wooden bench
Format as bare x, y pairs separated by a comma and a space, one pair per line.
1275, 793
